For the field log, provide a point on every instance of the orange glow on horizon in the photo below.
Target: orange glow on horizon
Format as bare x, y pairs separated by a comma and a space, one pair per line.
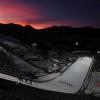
36, 26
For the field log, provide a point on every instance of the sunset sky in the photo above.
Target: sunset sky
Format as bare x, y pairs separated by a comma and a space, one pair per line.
46, 13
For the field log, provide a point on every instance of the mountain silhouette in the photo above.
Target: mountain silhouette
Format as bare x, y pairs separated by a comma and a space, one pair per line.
62, 37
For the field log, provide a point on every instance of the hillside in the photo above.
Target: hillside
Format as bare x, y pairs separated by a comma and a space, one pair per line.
62, 37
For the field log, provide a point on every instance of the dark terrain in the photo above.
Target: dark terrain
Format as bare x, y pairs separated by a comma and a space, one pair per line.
62, 37
54, 38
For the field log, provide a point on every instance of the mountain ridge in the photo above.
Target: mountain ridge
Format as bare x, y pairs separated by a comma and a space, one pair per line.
62, 37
